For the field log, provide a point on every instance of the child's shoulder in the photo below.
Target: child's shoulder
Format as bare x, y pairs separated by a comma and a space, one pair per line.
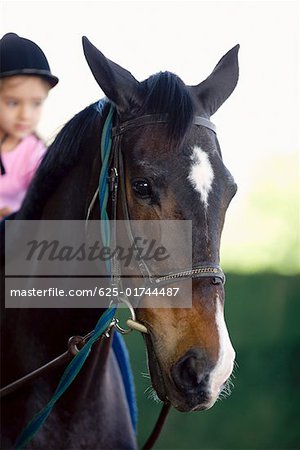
32, 143
30, 150
32, 140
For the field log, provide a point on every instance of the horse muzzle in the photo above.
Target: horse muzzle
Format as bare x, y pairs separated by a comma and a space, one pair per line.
191, 376
194, 382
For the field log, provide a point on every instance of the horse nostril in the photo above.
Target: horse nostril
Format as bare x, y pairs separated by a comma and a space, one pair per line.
191, 374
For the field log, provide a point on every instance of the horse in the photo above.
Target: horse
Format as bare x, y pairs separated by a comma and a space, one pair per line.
172, 169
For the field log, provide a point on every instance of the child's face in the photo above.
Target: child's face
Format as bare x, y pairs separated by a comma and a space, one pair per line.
21, 101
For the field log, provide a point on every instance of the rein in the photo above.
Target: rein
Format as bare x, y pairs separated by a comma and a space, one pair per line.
79, 347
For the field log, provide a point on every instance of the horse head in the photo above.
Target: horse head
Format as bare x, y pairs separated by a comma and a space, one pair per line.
174, 170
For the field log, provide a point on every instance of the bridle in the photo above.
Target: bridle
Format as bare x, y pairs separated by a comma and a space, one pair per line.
117, 189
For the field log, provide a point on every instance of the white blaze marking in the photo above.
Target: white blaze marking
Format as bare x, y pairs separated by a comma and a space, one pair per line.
224, 366
201, 175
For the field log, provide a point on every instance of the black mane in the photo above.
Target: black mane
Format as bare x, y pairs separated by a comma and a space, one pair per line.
167, 94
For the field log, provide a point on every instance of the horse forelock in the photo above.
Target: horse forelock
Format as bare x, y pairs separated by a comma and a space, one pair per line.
165, 93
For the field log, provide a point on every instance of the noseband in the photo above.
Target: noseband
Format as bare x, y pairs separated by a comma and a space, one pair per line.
118, 187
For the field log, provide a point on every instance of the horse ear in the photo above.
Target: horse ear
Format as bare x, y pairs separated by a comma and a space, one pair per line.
213, 91
117, 83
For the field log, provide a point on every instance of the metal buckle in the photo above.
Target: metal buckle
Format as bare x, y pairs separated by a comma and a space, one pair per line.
132, 322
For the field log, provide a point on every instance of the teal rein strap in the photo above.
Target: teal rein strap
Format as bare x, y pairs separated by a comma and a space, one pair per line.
68, 376
106, 143
105, 320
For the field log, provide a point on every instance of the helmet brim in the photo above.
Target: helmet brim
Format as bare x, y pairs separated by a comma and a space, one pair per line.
51, 79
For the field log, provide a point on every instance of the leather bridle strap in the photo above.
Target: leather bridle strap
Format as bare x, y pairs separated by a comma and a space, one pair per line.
150, 119
74, 344
198, 120
158, 427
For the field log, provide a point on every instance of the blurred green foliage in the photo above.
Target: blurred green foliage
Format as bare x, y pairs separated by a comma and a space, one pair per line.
262, 229
262, 313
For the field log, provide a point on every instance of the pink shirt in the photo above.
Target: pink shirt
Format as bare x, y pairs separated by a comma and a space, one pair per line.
20, 165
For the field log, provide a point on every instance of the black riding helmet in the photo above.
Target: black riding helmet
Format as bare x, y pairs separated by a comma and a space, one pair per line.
20, 56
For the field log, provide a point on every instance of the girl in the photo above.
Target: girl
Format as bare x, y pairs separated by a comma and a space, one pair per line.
25, 79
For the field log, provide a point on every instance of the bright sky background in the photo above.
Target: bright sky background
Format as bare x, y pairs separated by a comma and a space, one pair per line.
258, 127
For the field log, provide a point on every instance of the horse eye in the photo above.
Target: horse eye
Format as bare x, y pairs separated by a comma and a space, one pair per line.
142, 188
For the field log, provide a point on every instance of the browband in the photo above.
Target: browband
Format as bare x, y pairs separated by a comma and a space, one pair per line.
199, 120
157, 118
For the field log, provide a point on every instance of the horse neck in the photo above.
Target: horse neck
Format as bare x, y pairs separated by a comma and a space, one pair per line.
95, 391
46, 332
71, 200
33, 337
